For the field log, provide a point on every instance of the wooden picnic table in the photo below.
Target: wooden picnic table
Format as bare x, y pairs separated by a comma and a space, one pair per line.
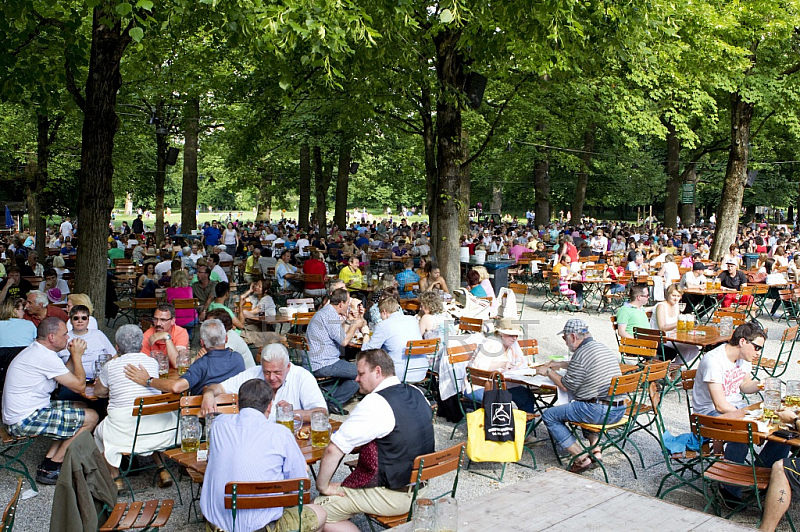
742, 412
89, 394
567, 502
711, 338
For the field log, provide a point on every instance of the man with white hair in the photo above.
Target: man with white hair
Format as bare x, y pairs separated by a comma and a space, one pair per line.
292, 384
114, 435
216, 365
37, 308
31, 378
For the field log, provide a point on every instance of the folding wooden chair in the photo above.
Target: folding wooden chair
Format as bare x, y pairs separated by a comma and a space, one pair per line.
519, 290
738, 317
416, 349
426, 467
11, 509
640, 350
275, 494
470, 325
776, 367
301, 319
460, 354
298, 354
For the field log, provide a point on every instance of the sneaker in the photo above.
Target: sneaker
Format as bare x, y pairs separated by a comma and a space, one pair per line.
48, 476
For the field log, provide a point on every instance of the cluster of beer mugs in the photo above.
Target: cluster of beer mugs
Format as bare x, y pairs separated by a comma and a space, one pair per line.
686, 322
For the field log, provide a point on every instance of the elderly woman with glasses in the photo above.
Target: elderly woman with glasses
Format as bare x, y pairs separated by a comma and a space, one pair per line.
81, 299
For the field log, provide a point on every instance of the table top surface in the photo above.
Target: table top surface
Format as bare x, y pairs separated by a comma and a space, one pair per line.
742, 412
710, 338
706, 292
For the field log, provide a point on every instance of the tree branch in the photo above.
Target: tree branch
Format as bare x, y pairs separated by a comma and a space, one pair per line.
499, 115
72, 88
758, 129
791, 70
53, 132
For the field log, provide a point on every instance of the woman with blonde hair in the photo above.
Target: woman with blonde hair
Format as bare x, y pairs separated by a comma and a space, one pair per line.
14, 331
81, 299
665, 318
59, 266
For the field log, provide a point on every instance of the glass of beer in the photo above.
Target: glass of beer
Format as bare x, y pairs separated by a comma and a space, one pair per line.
424, 516
681, 323
190, 434
709, 285
183, 362
689, 322
447, 515
320, 429
792, 393
717, 283
772, 403
284, 415
163, 363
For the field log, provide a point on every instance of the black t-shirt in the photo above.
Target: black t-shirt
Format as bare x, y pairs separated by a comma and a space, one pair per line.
734, 282
18, 291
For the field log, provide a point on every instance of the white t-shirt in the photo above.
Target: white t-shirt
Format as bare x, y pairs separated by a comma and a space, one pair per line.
302, 244
235, 343
300, 388
66, 229
97, 343
92, 324
121, 390
61, 284
163, 267
717, 368
30, 381
222, 275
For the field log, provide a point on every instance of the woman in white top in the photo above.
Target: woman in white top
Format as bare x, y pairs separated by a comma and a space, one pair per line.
59, 266
779, 255
81, 299
665, 318
230, 237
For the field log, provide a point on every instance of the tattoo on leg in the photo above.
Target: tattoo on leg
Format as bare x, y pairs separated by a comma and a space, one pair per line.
783, 492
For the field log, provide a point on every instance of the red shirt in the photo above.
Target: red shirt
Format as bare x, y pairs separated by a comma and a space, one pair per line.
314, 267
52, 311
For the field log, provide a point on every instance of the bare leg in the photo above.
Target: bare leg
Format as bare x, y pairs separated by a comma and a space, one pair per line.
320, 512
341, 526
89, 423
779, 495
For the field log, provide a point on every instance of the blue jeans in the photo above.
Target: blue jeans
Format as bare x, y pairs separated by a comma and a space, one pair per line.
346, 373
555, 418
737, 452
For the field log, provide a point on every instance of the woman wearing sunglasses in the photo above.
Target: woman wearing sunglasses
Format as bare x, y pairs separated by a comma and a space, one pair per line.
96, 341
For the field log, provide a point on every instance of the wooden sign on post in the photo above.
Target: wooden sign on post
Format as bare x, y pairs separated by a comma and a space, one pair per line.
687, 193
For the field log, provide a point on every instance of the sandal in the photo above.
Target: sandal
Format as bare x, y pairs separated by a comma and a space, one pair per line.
580, 467
597, 455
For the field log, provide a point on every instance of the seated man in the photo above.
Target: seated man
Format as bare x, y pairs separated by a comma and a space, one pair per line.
164, 335
238, 453
114, 435
380, 425
203, 288
589, 373
694, 279
724, 373
51, 280
252, 271
217, 273
235, 342
351, 274
291, 384
630, 315
14, 286
392, 334
215, 363
407, 277
38, 307
731, 277
328, 333
31, 378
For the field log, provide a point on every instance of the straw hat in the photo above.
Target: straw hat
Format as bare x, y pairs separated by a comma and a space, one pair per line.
508, 327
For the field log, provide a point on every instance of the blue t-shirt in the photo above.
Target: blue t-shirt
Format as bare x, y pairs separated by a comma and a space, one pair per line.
212, 235
216, 366
15, 332
478, 291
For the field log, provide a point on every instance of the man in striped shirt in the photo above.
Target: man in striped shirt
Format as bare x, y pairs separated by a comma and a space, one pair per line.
589, 373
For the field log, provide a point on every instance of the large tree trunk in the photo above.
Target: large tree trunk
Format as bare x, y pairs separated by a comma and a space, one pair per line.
730, 204
100, 125
191, 127
37, 198
497, 198
264, 210
673, 170
161, 177
323, 173
451, 152
431, 172
583, 176
541, 184
342, 183
687, 209
304, 187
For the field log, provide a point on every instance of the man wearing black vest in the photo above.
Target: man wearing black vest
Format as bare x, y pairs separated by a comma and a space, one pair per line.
392, 425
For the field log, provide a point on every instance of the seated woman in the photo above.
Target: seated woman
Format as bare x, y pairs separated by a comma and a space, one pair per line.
502, 353
261, 304
574, 291
474, 284
81, 299
665, 318
179, 289
423, 271
114, 435
614, 271
221, 293
432, 280
148, 282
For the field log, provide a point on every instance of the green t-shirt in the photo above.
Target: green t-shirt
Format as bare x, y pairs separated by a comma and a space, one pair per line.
116, 253
632, 317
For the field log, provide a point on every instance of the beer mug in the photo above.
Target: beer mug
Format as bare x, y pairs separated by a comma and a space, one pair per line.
424, 515
771, 383
183, 362
98, 365
163, 363
771, 404
320, 429
689, 322
792, 393
447, 514
190, 434
284, 415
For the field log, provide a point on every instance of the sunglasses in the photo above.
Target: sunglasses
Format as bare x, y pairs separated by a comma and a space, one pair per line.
757, 347
80, 318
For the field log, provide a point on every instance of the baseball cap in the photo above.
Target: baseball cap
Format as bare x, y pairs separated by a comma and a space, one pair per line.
574, 325
698, 266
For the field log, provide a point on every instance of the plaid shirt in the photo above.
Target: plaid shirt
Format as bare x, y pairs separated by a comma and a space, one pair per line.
406, 277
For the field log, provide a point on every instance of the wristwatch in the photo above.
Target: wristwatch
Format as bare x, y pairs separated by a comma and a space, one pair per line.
168, 337
149, 380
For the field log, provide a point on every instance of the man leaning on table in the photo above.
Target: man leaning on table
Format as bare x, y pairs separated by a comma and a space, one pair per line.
291, 384
238, 454
722, 377
392, 425
589, 373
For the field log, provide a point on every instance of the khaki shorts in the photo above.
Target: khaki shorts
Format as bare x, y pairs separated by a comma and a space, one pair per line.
378, 501
288, 522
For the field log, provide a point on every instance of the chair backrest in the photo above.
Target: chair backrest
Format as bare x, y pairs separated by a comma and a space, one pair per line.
11, 509
729, 430
422, 347
145, 303
303, 318
478, 378
639, 348
529, 346
156, 404
227, 403
411, 287
436, 464
189, 303
460, 353
624, 384
518, 288
411, 306
313, 278
470, 324
308, 301
657, 370
738, 317
275, 494
614, 326
298, 350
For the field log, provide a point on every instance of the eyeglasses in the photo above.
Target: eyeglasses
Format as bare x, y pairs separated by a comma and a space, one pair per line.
757, 347
80, 318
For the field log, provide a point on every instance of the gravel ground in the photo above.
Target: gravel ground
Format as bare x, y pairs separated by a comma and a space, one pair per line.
34, 514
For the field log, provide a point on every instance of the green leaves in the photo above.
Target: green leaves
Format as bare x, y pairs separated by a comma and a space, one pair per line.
136, 33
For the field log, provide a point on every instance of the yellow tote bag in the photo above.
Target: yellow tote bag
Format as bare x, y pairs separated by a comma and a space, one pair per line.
480, 450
